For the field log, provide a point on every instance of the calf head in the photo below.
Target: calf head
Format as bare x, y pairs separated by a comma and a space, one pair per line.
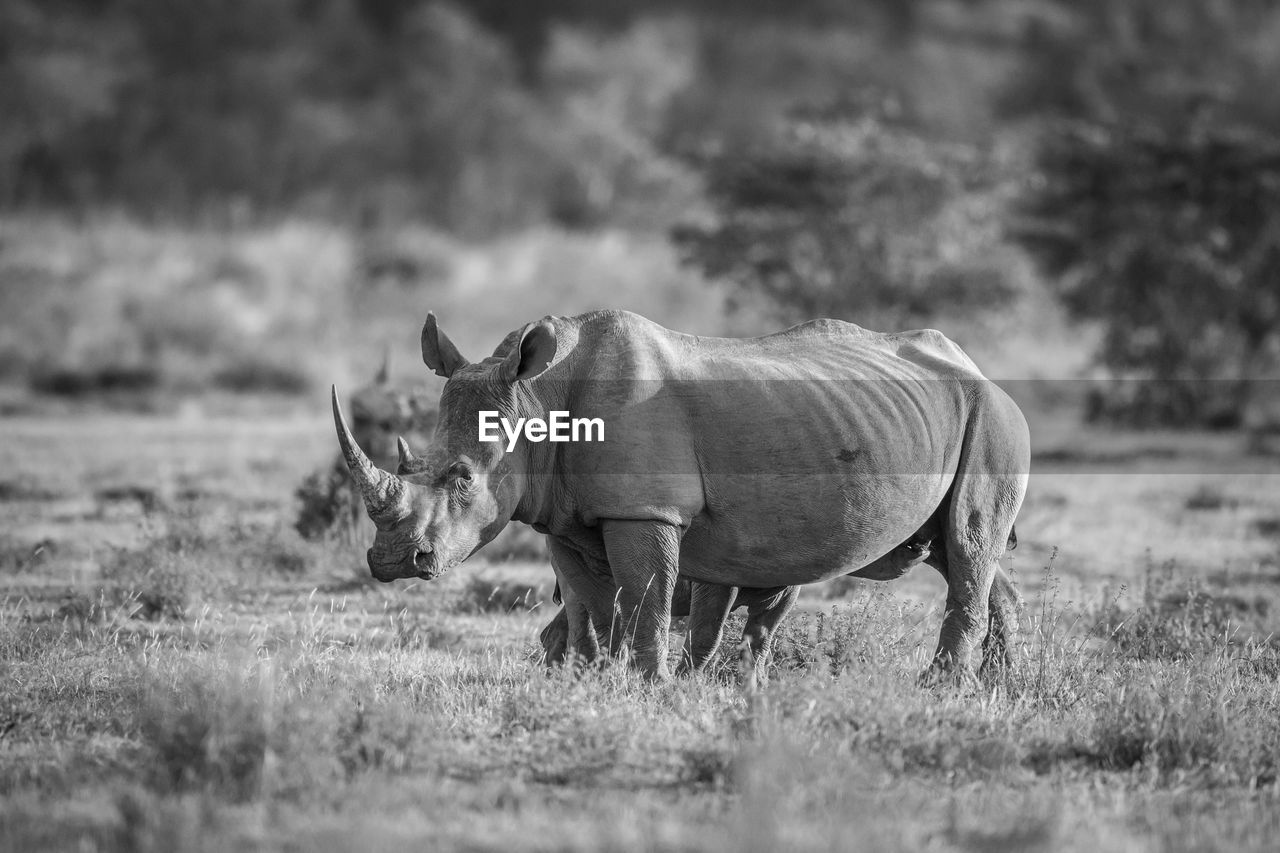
443, 505
380, 411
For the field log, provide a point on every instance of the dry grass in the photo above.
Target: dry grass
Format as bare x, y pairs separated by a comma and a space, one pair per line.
272, 699
181, 671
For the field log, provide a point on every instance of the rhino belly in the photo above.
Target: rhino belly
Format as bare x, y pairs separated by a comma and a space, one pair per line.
774, 536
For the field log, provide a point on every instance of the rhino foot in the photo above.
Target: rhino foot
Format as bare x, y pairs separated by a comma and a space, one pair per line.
555, 639
946, 673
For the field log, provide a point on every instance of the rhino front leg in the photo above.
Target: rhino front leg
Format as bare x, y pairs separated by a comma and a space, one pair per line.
709, 607
644, 558
554, 638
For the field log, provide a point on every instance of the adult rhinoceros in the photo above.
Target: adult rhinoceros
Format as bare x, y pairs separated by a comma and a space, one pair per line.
763, 462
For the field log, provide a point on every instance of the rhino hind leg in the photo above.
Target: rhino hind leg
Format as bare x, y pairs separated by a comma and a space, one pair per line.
1004, 603
1003, 606
991, 480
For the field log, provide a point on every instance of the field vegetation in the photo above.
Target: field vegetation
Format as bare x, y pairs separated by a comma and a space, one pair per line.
182, 671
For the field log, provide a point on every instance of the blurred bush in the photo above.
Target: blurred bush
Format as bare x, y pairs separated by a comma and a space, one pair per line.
1170, 236
113, 308
1154, 210
502, 160
353, 110
854, 213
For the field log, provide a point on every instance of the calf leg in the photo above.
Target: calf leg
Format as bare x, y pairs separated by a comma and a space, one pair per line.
709, 607
764, 615
588, 599
644, 558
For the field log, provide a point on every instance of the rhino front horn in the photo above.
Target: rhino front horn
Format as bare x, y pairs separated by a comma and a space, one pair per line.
383, 493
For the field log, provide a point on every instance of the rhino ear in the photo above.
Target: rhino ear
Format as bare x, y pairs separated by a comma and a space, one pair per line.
533, 355
384, 372
438, 352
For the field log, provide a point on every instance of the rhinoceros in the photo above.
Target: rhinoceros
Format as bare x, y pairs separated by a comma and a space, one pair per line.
773, 461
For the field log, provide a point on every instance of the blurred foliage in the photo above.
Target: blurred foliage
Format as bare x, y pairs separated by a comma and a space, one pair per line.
1156, 206
847, 216
1172, 238
849, 158
350, 109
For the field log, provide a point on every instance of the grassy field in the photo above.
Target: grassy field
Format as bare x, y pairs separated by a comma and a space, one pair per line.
180, 671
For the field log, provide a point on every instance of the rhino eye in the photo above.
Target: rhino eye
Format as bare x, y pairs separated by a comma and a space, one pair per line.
460, 474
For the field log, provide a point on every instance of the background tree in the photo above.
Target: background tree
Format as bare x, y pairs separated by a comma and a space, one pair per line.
851, 213
1157, 207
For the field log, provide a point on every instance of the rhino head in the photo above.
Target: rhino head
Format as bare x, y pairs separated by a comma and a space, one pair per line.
458, 494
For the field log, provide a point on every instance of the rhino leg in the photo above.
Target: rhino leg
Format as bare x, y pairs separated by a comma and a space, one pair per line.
1003, 605
989, 486
554, 638
709, 606
587, 599
1002, 623
644, 558
766, 608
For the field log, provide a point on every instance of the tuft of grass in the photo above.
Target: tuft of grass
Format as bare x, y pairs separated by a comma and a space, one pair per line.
1208, 720
500, 595
19, 556
207, 735
260, 376
1209, 498
188, 558
375, 740
1176, 619
25, 488
328, 504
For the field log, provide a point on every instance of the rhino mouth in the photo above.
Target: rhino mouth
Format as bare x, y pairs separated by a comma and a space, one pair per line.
426, 566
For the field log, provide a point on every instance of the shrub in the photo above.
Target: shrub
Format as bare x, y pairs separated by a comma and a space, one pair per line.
1177, 619
259, 376
206, 735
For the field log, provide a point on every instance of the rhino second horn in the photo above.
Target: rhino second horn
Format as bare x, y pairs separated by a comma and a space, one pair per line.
406, 455
384, 372
383, 493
